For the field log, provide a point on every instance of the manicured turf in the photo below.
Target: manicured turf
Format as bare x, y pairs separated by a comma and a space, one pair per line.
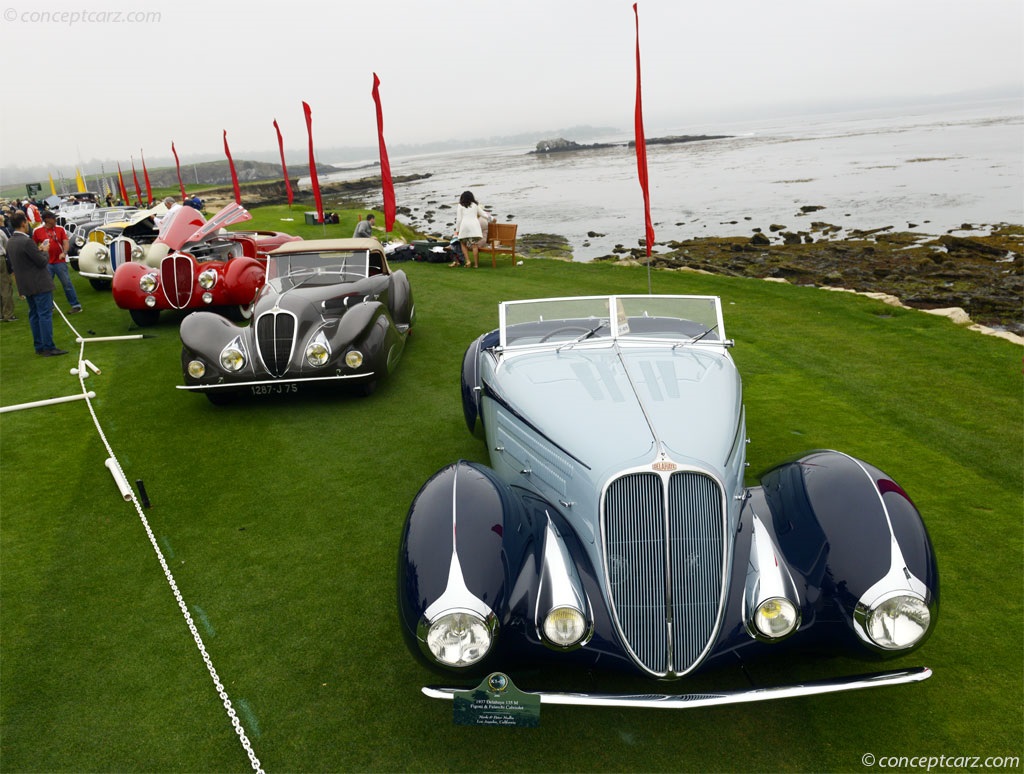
280, 521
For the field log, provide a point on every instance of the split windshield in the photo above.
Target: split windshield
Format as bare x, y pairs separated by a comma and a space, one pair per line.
319, 268
559, 321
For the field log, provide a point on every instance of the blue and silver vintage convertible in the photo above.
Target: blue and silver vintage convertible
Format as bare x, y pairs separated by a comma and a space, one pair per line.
613, 527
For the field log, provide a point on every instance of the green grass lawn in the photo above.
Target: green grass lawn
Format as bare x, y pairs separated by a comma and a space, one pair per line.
280, 522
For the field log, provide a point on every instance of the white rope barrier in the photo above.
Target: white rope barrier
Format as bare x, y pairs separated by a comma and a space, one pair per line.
128, 494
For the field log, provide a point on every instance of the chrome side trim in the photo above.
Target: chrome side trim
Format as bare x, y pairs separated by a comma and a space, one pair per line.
695, 700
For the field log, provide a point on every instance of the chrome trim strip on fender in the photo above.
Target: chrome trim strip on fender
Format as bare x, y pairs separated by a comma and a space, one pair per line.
695, 700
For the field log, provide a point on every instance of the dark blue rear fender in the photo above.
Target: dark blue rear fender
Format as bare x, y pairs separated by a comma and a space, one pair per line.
471, 379
843, 526
463, 512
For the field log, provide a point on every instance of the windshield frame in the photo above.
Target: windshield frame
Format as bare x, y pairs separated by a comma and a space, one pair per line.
668, 319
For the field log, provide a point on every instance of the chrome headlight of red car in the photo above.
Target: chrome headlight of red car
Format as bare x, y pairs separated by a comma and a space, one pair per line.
207, 279
148, 282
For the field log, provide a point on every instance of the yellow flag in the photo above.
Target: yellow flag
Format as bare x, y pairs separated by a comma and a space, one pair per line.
53, 189
79, 180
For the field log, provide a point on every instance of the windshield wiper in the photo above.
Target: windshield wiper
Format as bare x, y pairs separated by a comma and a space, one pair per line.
582, 336
697, 338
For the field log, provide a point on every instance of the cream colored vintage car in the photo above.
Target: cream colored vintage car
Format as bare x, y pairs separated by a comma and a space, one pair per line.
112, 244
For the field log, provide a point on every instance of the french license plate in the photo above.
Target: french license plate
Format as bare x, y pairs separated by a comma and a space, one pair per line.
274, 389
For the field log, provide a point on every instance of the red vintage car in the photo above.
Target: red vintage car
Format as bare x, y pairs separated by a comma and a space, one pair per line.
207, 268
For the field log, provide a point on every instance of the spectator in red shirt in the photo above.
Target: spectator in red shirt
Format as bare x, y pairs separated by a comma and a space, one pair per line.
58, 256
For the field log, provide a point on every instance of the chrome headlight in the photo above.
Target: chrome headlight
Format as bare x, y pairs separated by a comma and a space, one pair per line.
775, 618
196, 369
80, 240
101, 253
459, 638
136, 252
232, 357
565, 626
207, 279
318, 352
354, 359
148, 282
897, 622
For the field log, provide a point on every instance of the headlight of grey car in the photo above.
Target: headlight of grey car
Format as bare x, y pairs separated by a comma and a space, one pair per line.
318, 351
148, 282
232, 357
80, 241
207, 279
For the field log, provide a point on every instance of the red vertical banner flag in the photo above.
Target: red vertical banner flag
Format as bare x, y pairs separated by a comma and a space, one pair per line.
231, 166
135, 177
385, 167
641, 145
284, 167
177, 166
145, 176
121, 185
313, 180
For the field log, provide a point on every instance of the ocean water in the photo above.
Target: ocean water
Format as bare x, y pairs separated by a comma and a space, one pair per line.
930, 170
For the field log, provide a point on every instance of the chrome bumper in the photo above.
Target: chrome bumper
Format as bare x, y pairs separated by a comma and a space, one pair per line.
694, 700
298, 380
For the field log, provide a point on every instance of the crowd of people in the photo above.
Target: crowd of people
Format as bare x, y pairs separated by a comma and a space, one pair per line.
35, 255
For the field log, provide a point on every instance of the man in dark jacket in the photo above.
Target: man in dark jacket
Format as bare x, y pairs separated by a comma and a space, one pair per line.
32, 274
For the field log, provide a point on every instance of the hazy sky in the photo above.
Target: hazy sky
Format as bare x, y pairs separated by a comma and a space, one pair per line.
102, 79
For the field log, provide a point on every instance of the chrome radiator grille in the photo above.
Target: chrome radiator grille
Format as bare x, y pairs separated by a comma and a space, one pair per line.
275, 339
176, 280
665, 553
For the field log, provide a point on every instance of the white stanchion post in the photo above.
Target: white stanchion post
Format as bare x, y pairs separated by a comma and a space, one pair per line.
47, 402
81, 340
119, 479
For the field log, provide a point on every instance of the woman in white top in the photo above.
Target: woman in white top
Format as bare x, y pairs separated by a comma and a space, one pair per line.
468, 217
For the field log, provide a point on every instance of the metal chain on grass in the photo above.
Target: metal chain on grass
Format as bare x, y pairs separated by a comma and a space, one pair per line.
232, 715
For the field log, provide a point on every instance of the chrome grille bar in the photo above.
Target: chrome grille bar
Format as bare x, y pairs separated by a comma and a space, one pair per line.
664, 557
275, 340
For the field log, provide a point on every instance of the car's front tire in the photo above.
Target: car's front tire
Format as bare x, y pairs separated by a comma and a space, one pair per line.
144, 318
99, 284
221, 397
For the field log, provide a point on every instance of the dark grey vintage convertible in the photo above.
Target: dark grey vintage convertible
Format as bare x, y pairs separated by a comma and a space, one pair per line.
613, 527
331, 311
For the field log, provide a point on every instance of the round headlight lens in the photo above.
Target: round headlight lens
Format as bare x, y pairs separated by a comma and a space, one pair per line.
354, 359
565, 626
232, 359
898, 622
776, 617
150, 301
136, 253
147, 282
207, 298
317, 353
207, 279
459, 639
101, 253
80, 240
196, 369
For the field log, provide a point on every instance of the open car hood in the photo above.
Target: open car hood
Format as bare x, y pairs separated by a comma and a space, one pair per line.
187, 224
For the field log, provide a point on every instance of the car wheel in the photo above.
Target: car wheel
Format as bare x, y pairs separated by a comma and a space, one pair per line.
220, 397
240, 312
365, 389
99, 284
144, 317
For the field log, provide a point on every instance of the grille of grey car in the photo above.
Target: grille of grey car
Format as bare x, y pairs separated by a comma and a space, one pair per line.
665, 553
176, 280
275, 338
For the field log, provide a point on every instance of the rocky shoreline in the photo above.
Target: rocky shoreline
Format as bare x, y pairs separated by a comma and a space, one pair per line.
982, 274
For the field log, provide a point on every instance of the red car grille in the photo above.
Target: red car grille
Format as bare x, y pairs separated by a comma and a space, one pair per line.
177, 280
